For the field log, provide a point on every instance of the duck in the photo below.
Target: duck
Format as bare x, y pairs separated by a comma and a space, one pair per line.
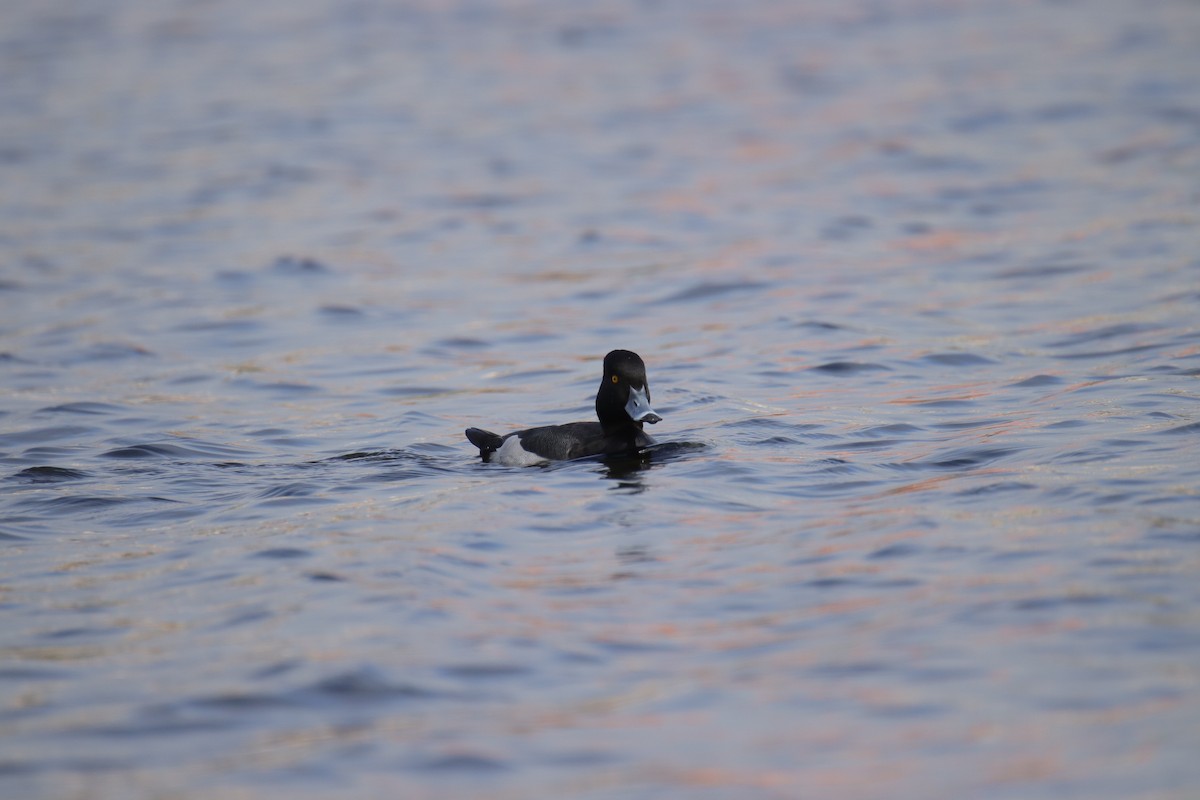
622, 406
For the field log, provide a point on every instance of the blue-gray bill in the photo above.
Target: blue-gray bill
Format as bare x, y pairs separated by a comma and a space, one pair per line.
638, 407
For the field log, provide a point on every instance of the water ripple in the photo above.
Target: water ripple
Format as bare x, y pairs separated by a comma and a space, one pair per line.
48, 475
960, 458
709, 291
189, 451
849, 368
1038, 381
958, 359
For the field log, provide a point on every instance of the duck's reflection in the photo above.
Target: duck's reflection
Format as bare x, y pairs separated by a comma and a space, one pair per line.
628, 471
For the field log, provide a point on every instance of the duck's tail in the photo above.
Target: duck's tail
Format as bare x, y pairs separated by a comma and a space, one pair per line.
486, 441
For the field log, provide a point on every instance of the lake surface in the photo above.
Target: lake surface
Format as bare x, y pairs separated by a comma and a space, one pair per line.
918, 289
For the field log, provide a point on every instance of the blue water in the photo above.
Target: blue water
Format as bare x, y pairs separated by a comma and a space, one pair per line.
917, 287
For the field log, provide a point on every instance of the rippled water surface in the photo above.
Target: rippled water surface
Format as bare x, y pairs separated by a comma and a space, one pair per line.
917, 285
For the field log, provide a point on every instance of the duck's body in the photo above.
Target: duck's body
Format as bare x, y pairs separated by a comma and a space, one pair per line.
622, 406
556, 443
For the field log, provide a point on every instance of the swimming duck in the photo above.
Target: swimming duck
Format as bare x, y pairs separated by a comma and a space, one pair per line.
622, 405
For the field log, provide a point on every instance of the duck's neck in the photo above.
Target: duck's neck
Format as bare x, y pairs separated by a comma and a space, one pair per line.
622, 427
611, 413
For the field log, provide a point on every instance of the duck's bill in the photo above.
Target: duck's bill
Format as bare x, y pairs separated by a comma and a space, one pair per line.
638, 407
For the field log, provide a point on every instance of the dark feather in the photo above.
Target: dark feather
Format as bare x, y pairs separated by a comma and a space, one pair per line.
579, 439
486, 441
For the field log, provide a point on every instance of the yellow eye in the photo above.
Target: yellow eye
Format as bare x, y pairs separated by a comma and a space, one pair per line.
614, 379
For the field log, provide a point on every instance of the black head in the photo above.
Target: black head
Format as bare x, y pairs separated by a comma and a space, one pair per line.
624, 396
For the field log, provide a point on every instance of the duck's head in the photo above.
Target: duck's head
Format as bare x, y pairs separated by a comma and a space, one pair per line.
624, 394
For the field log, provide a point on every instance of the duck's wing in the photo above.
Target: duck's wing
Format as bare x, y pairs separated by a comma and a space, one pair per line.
563, 442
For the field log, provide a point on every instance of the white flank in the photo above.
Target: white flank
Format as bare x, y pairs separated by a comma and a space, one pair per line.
513, 455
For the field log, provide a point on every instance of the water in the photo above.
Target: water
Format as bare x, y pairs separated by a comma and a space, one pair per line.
916, 284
